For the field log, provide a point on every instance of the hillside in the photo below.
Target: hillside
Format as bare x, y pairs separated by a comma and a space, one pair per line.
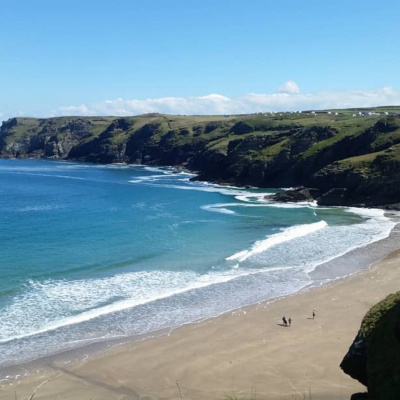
351, 156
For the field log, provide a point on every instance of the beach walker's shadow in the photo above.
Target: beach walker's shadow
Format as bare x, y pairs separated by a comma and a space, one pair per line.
283, 325
310, 318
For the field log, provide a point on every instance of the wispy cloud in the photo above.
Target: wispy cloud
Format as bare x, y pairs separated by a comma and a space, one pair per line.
288, 97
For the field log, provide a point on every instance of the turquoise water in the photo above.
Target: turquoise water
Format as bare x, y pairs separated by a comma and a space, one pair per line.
91, 252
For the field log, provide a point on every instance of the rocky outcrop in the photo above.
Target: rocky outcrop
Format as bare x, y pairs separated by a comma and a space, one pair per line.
294, 195
334, 197
374, 357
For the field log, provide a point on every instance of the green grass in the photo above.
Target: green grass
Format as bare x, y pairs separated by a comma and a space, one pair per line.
377, 312
364, 159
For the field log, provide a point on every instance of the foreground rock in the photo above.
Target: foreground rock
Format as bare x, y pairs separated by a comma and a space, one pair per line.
374, 357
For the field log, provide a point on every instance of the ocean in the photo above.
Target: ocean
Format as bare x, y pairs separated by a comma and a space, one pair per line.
98, 253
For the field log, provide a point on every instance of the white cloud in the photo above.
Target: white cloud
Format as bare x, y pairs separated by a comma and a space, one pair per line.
210, 104
289, 87
287, 98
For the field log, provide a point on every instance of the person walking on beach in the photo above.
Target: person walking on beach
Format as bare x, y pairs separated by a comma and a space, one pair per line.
290, 321
313, 314
284, 320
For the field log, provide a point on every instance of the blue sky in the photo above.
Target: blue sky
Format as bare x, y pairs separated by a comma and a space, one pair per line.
126, 57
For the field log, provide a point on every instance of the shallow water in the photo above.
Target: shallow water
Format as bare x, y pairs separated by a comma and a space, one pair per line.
90, 253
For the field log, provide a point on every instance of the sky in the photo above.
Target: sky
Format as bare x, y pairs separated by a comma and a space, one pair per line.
129, 57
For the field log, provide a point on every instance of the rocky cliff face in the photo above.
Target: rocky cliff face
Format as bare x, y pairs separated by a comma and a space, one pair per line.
374, 357
352, 161
46, 138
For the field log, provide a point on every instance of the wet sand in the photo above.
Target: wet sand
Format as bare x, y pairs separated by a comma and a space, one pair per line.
246, 354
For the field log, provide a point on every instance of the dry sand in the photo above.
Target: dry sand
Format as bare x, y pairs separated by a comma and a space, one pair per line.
245, 354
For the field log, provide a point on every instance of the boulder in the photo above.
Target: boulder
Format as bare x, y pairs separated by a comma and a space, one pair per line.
293, 195
374, 356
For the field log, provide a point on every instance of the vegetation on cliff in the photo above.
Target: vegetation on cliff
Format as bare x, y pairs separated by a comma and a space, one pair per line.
351, 156
374, 356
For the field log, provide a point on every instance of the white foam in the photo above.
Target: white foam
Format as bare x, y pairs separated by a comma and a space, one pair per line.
150, 178
247, 198
219, 208
158, 170
40, 208
136, 181
376, 213
251, 197
373, 229
285, 236
55, 301
77, 178
200, 188
290, 205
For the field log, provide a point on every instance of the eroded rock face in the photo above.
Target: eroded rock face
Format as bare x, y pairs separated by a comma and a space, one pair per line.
355, 361
374, 356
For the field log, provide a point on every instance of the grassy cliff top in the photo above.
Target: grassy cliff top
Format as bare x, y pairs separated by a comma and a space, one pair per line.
378, 312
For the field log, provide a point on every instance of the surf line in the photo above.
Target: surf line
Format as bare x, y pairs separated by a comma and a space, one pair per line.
285, 236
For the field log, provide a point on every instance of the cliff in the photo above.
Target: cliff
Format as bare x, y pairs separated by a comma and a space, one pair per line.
352, 159
374, 357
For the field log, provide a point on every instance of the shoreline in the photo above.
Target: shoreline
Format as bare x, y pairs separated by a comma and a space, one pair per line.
248, 350
320, 278
18, 352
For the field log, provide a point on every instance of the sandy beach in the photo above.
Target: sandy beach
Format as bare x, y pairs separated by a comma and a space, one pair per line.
245, 354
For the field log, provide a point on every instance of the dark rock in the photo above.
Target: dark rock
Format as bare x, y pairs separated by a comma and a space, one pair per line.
293, 195
386, 125
10, 123
374, 357
211, 126
359, 396
241, 127
334, 197
395, 206
355, 361
303, 139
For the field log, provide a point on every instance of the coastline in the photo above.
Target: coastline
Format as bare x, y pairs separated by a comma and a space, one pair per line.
245, 353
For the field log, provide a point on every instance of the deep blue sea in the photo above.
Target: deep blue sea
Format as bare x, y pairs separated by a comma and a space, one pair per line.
90, 253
